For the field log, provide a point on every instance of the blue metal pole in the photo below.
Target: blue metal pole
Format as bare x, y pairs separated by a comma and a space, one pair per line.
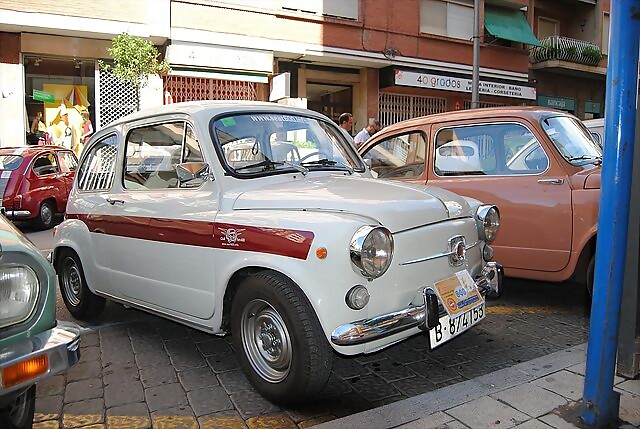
601, 403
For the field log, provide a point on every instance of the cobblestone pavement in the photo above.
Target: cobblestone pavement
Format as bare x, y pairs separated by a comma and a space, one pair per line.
138, 371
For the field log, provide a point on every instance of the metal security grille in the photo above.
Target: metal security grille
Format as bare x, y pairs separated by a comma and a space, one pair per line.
115, 99
184, 88
397, 107
467, 104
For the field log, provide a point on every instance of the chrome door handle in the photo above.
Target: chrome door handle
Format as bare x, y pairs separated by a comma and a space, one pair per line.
551, 181
113, 201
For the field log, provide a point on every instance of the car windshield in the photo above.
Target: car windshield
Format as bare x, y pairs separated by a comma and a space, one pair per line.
267, 143
10, 162
572, 140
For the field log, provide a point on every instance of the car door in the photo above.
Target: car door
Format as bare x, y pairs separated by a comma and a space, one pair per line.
68, 164
46, 182
90, 204
401, 155
507, 164
172, 266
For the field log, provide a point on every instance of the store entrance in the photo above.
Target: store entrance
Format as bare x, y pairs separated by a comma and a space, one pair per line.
331, 100
54, 88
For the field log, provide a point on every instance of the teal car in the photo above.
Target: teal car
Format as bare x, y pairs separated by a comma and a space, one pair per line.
33, 344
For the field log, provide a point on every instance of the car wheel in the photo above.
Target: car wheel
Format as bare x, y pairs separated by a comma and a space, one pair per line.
590, 274
46, 215
80, 301
19, 414
277, 336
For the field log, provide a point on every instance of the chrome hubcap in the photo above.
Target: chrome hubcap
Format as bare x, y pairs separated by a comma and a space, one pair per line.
266, 341
72, 281
46, 214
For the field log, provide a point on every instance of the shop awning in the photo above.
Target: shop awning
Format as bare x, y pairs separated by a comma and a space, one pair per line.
509, 24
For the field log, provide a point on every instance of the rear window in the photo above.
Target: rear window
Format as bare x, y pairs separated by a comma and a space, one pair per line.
10, 162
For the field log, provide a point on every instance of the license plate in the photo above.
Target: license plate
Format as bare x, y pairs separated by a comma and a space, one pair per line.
449, 327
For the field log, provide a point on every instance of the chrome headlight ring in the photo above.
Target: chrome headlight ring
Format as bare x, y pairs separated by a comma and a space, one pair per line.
19, 291
488, 222
371, 251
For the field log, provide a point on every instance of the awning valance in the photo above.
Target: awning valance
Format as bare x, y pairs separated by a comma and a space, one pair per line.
509, 24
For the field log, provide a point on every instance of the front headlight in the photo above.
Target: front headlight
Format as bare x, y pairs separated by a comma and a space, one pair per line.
19, 287
488, 220
371, 250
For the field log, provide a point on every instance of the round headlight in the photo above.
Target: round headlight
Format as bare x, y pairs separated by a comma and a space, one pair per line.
19, 288
371, 250
488, 219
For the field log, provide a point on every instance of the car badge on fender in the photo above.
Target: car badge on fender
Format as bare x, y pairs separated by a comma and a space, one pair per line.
231, 236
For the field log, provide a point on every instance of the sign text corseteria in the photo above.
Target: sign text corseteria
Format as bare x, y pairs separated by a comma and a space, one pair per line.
450, 83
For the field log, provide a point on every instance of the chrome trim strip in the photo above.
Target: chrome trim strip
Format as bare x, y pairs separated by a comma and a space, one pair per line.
148, 309
375, 328
61, 345
439, 255
17, 213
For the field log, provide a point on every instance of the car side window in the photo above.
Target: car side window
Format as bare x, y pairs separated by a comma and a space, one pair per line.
399, 157
68, 161
154, 151
98, 167
488, 150
45, 164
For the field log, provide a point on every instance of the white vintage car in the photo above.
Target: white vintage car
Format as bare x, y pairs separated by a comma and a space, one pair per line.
262, 220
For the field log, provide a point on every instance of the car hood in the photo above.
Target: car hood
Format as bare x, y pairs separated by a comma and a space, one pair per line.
396, 205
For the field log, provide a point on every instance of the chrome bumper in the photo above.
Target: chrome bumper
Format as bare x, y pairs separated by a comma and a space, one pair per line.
12, 214
489, 282
61, 345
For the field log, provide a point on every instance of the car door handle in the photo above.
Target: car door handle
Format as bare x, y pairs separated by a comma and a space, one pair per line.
551, 181
113, 201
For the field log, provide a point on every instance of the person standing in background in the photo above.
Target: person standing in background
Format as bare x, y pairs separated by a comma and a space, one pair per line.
38, 126
65, 137
345, 122
366, 133
87, 131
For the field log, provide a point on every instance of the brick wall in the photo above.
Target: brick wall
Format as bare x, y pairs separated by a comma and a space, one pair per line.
9, 48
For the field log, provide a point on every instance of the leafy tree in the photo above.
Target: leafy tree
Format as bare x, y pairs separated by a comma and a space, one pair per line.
134, 59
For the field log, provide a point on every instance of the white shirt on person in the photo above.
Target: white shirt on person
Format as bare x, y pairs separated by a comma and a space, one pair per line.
361, 137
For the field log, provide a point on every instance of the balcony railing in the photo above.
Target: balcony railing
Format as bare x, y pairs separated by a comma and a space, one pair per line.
566, 49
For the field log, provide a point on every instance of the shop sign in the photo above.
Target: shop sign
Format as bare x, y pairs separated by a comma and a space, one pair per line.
591, 107
43, 96
560, 103
458, 84
219, 57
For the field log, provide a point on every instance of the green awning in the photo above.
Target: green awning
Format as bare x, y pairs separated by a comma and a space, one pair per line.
509, 24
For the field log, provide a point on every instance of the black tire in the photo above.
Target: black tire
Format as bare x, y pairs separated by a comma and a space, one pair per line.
79, 300
46, 215
590, 274
301, 362
19, 414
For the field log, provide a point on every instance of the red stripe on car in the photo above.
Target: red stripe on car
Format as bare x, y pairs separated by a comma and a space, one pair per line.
277, 241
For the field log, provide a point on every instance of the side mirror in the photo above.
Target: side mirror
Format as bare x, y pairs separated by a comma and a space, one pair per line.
192, 174
367, 162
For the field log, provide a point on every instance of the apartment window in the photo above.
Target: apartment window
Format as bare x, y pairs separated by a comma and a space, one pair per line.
605, 34
451, 19
347, 9
547, 27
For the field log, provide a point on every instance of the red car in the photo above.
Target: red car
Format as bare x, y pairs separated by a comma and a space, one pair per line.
35, 182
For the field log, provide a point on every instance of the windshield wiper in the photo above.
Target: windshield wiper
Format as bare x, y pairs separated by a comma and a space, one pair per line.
268, 163
328, 162
597, 160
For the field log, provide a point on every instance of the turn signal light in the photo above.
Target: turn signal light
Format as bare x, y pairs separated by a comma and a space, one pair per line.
24, 371
321, 252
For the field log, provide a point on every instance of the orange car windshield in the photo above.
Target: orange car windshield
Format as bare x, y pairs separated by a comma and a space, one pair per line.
572, 140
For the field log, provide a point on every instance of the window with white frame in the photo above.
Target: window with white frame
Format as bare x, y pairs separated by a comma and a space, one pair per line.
447, 18
605, 34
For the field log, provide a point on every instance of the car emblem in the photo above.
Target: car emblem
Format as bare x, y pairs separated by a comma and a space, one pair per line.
457, 251
231, 236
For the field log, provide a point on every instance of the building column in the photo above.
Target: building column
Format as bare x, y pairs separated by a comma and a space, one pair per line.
13, 120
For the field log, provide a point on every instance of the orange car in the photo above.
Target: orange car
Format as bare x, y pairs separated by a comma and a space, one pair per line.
539, 166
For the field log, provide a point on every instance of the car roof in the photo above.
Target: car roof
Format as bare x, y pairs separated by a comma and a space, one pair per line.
27, 151
534, 113
215, 107
594, 122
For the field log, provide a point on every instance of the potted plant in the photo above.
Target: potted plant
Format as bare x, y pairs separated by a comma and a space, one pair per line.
592, 55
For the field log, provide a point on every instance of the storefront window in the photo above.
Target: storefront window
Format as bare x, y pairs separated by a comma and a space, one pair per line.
58, 87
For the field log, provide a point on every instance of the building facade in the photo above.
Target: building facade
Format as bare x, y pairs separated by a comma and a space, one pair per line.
384, 59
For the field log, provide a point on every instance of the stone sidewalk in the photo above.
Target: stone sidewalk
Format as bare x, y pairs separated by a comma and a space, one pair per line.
542, 393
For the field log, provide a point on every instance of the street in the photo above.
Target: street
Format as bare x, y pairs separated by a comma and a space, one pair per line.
138, 370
